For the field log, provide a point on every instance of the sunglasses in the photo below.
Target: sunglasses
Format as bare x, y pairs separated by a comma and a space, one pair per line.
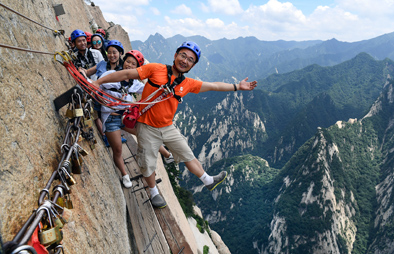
96, 42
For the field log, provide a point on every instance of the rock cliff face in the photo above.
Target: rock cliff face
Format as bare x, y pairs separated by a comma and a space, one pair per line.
218, 134
32, 131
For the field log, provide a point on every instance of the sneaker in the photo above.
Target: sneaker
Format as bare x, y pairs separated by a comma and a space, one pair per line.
169, 159
217, 180
126, 181
158, 201
124, 140
105, 141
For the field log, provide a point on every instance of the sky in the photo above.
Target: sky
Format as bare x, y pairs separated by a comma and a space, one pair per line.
299, 20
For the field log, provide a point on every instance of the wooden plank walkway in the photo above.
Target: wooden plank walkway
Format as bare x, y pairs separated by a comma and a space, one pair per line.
155, 230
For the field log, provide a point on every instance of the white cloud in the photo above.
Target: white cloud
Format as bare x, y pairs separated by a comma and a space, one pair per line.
346, 20
371, 8
155, 11
182, 10
229, 7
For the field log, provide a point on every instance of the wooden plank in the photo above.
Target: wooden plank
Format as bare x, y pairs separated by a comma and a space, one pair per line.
175, 238
157, 228
156, 241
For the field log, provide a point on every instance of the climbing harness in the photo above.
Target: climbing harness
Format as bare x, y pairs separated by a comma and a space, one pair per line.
131, 115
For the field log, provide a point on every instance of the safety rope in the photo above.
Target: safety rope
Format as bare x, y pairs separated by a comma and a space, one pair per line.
23, 49
100, 95
12, 10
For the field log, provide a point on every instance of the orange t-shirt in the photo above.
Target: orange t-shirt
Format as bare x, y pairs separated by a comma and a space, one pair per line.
162, 113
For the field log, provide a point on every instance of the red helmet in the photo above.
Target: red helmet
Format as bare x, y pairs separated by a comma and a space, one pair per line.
88, 37
137, 55
69, 39
100, 31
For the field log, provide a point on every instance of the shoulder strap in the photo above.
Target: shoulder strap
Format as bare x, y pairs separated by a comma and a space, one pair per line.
172, 86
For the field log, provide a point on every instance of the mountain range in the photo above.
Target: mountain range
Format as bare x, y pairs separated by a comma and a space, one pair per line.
233, 60
305, 175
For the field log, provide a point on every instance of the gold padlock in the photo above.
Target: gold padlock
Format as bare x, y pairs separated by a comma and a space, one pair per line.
69, 203
69, 112
60, 201
67, 214
88, 122
59, 223
50, 236
78, 112
70, 180
76, 165
82, 151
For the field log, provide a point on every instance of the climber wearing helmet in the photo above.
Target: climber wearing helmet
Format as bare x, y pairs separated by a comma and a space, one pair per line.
86, 57
155, 126
88, 39
102, 32
98, 43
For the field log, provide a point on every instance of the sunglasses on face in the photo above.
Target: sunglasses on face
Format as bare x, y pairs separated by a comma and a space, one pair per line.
96, 42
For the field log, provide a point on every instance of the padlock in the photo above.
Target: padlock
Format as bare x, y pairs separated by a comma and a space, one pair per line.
81, 151
51, 235
60, 201
56, 217
78, 110
69, 203
71, 180
65, 177
69, 112
88, 122
67, 214
76, 164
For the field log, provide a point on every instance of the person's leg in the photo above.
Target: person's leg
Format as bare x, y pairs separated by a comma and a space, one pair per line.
178, 145
163, 151
116, 146
113, 133
195, 167
99, 126
149, 143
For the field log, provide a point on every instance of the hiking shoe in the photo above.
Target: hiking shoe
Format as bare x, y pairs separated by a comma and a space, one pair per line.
105, 141
158, 201
217, 180
169, 159
126, 181
124, 140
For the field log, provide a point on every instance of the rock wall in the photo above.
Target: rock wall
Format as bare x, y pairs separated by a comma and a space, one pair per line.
32, 132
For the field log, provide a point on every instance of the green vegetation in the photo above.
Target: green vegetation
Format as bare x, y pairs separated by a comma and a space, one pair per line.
185, 197
348, 161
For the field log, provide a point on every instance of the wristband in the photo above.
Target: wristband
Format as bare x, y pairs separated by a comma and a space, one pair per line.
235, 87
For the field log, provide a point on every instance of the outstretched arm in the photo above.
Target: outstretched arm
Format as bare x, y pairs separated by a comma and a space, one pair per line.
244, 85
117, 77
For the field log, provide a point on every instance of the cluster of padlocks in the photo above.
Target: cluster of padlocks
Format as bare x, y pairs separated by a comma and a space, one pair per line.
42, 232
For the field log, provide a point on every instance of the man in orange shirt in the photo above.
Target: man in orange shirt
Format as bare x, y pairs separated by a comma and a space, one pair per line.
155, 126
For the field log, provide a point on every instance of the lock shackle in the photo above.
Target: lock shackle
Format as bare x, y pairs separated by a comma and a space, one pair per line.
24, 247
43, 207
46, 191
53, 204
61, 189
61, 250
